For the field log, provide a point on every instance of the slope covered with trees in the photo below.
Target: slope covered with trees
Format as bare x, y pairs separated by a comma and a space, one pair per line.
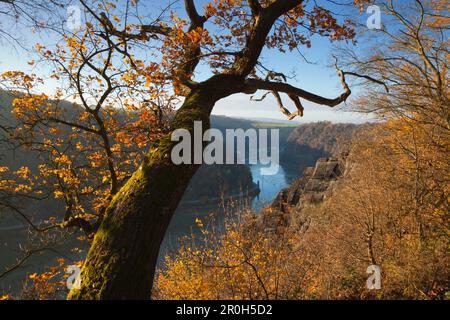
389, 208
310, 141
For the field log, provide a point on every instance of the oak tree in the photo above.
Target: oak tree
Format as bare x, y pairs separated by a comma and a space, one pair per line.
229, 36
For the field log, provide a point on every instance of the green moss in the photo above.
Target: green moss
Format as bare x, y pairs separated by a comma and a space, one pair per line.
133, 201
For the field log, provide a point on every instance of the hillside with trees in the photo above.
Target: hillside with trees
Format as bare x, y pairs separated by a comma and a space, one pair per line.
310, 141
378, 205
387, 205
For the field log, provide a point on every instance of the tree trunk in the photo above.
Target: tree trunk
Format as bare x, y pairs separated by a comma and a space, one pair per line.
122, 259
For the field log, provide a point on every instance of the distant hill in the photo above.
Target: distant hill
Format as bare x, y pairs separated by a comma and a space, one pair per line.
326, 136
308, 142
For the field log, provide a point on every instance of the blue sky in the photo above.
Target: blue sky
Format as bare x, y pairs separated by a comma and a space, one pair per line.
316, 77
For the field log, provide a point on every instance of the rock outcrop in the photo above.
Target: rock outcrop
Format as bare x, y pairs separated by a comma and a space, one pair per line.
290, 205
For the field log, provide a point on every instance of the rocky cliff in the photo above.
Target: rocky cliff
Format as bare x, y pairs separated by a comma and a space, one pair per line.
317, 183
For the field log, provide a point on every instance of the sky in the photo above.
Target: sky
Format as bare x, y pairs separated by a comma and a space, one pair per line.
315, 77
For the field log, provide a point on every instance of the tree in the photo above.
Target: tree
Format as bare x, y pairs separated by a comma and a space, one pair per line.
86, 150
122, 259
391, 208
89, 148
132, 219
30, 13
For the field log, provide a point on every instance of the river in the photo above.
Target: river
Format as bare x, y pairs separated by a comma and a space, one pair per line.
183, 222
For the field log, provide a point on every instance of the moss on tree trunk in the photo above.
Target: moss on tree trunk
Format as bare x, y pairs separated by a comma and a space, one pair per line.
122, 259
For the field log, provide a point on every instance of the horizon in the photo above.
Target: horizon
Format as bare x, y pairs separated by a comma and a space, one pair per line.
281, 120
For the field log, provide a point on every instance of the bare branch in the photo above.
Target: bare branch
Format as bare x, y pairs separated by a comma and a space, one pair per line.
21, 261
359, 75
368, 78
146, 32
257, 84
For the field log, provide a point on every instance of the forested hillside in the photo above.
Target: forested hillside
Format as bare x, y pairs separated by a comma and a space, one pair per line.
310, 141
376, 205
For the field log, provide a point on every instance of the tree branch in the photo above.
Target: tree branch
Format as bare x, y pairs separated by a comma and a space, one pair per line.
255, 7
196, 19
368, 78
247, 59
283, 109
145, 33
295, 93
192, 55
272, 75
21, 261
